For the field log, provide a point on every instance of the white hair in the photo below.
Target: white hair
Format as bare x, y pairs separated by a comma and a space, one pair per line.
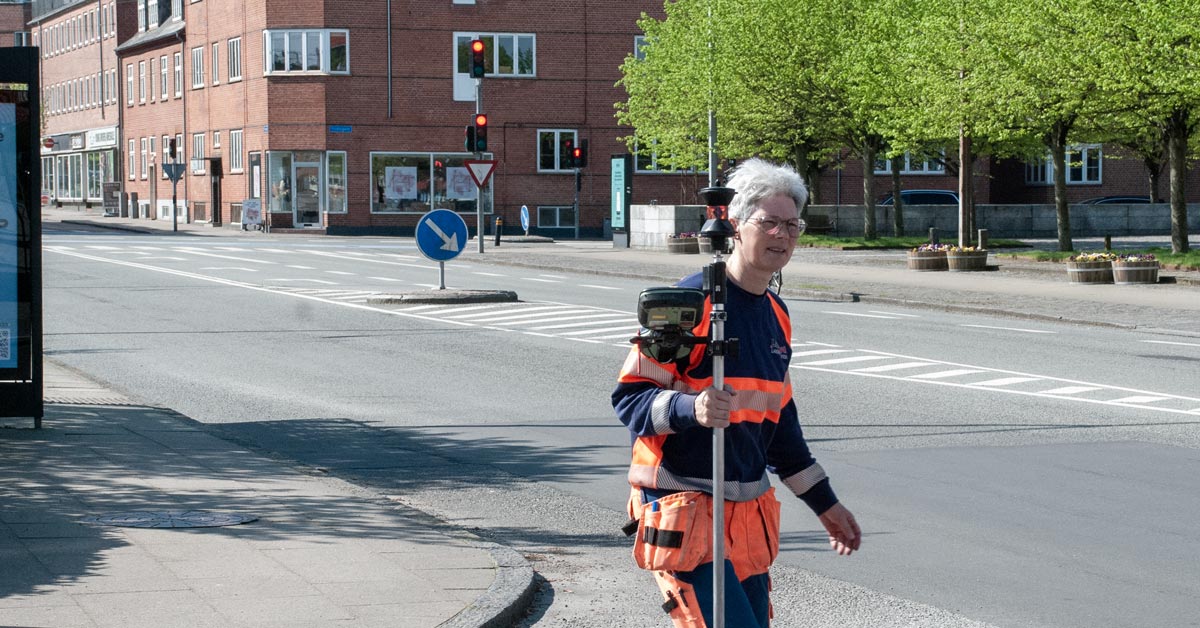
757, 180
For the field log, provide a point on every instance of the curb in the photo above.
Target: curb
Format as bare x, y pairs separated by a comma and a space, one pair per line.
445, 296
510, 595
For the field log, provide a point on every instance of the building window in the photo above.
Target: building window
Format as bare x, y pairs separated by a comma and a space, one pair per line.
166, 158
145, 159
197, 67
216, 63
141, 81
216, 139
235, 59
198, 153
162, 77
235, 151
335, 182
178, 74
313, 51
505, 54
639, 47
129, 84
132, 152
150, 80
1085, 166
419, 182
552, 149
913, 164
21, 38
556, 217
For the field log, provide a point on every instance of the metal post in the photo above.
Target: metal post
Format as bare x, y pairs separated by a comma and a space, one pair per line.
575, 204
718, 443
479, 155
441, 275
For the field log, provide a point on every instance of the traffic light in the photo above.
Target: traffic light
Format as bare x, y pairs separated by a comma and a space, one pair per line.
477, 68
569, 152
469, 143
580, 154
480, 132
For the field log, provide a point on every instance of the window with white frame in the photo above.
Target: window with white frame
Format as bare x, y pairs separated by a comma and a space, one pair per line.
324, 51
162, 77
335, 182
179, 148
639, 47
145, 159
178, 74
198, 153
552, 149
164, 157
1085, 166
913, 164
505, 54
132, 153
150, 80
141, 81
216, 139
555, 216
129, 84
235, 151
216, 63
197, 67
419, 182
646, 160
235, 59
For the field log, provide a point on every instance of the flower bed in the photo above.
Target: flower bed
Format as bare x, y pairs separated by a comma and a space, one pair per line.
1090, 268
1135, 268
928, 257
960, 258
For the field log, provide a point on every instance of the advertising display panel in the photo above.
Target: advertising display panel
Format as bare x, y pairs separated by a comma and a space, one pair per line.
20, 237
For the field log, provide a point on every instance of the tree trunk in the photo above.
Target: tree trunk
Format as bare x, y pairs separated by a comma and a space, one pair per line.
966, 191
868, 165
1058, 150
1177, 155
897, 201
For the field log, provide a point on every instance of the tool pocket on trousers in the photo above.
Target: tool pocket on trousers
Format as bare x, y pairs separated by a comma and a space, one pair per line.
763, 554
674, 533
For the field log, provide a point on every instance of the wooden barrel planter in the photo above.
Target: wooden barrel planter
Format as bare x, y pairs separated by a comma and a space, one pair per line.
927, 260
1090, 272
1135, 272
704, 244
966, 260
682, 245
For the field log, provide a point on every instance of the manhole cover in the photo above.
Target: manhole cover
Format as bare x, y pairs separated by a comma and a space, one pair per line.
171, 519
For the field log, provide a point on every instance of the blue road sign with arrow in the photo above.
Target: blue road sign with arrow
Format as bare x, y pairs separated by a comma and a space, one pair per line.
441, 235
525, 218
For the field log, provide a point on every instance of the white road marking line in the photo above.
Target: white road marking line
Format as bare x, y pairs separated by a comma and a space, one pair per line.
386, 279
1027, 331
857, 358
1195, 411
147, 248
372, 261
1167, 342
1138, 399
467, 308
612, 319
190, 250
1069, 390
234, 249
97, 247
820, 344
299, 267
797, 354
625, 335
274, 250
478, 272
257, 288
552, 276
431, 286
164, 257
945, 374
858, 314
540, 317
398, 256
338, 272
1006, 381
894, 314
602, 331
328, 283
539, 279
249, 270
517, 312
894, 367
588, 285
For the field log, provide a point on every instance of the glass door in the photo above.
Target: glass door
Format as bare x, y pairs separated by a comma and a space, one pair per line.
308, 194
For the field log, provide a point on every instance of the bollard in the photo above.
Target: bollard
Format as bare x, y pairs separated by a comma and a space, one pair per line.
983, 238
933, 236
1107, 243
499, 226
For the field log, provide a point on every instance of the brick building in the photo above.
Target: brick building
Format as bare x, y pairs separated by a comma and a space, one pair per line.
14, 18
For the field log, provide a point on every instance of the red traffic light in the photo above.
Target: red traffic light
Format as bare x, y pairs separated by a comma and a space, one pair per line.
477, 45
480, 119
478, 65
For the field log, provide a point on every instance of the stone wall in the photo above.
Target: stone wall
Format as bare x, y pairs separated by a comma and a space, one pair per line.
649, 225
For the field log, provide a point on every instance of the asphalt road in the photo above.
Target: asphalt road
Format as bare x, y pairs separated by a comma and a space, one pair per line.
1006, 473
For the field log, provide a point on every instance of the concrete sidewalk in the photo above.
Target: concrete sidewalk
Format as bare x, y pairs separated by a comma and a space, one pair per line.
316, 551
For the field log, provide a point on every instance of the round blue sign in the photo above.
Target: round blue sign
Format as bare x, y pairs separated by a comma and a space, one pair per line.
441, 235
525, 217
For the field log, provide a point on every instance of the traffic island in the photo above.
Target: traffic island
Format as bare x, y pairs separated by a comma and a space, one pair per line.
445, 296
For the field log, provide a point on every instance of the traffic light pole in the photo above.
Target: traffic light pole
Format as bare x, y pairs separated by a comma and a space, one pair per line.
578, 175
479, 155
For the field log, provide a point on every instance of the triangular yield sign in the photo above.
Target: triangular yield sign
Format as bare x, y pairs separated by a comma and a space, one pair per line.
481, 170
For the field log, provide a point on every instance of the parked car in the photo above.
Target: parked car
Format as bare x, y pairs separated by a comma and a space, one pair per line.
1114, 200
924, 197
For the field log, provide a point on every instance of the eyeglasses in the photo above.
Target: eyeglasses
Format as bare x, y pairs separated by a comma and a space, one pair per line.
772, 225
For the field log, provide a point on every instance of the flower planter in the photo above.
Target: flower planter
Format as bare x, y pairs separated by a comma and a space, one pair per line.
927, 260
683, 245
1134, 272
966, 260
1090, 272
